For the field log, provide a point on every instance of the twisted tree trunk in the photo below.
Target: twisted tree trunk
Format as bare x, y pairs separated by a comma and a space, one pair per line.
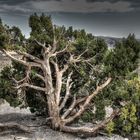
55, 102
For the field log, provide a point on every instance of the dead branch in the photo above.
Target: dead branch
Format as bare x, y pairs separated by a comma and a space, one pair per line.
33, 58
28, 70
64, 50
55, 66
90, 130
87, 102
66, 66
27, 77
15, 59
79, 57
68, 87
47, 49
40, 77
81, 100
18, 81
70, 108
7, 126
27, 64
32, 64
43, 45
30, 86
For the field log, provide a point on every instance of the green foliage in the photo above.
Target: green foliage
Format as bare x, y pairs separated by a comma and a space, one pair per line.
128, 121
3, 41
41, 28
16, 35
124, 58
6, 90
110, 127
10, 38
100, 110
87, 116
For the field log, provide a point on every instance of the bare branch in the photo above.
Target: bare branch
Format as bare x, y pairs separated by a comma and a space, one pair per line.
33, 58
40, 44
81, 100
15, 59
33, 64
18, 82
82, 54
30, 86
66, 66
74, 59
77, 59
59, 52
25, 79
68, 87
88, 100
55, 66
70, 108
47, 49
27, 64
40, 77
90, 130
65, 49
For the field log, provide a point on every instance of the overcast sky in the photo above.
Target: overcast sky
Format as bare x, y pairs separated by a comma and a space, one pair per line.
101, 17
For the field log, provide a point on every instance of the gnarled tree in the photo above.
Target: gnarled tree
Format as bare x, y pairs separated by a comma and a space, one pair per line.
56, 76
68, 80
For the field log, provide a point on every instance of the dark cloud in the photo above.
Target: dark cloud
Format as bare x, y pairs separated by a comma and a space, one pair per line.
12, 2
16, 2
77, 6
88, 6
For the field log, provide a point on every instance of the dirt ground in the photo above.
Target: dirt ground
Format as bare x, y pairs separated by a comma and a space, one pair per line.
38, 132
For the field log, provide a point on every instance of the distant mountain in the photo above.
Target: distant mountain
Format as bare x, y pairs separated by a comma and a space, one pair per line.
110, 41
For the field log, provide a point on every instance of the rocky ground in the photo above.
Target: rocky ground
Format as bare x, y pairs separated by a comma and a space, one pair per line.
38, 132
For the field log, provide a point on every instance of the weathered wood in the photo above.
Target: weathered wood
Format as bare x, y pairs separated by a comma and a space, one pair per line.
52, 91
17, 126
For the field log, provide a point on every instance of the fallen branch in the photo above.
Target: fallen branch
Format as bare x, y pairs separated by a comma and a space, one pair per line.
7, 126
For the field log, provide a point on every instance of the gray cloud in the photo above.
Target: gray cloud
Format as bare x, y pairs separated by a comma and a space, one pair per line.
77, 6
134, 3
